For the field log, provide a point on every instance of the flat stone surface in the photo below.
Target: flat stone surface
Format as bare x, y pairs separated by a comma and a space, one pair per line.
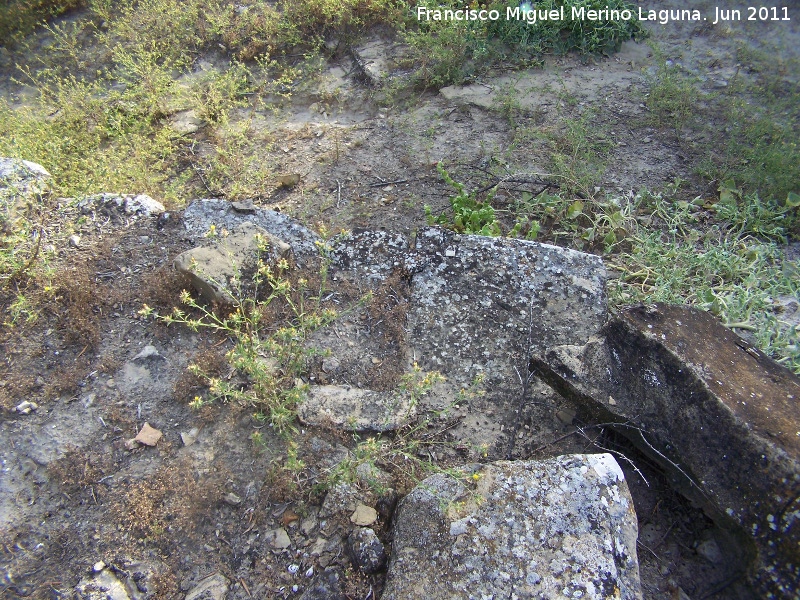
148, 435
278, 538
364, 515
354, 409
201, 214
563, 527
475, 298
214, 587
219, 271
721, 417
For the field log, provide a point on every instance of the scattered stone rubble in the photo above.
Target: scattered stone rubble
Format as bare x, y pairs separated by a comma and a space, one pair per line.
495, 306
718, 415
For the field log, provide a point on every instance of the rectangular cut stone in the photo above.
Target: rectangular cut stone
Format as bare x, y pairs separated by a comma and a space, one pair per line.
721, 417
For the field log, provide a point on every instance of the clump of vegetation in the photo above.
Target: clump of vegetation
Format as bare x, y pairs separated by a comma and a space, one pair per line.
407, 453
469, 214
448, 52
18, 17
269, 353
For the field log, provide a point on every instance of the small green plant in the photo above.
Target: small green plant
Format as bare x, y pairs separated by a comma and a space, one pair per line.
408, 453
672, 99
748, 214
725, 271
469, 215
270, 355
446, 52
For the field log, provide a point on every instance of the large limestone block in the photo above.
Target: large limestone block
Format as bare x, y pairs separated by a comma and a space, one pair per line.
476, 299
719, 415
563, 527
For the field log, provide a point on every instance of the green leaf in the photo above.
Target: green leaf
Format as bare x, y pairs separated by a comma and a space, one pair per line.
793, 200
575, 209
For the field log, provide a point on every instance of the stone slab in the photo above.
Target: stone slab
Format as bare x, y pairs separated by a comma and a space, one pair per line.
563, 527
721, 417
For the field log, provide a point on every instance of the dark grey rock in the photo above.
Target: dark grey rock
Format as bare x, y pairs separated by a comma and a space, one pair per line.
563, 527
718, 415
366, 550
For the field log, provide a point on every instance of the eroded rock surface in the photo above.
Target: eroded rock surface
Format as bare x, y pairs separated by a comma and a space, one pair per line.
477, 298
200, 215
353, 409
719, 415
222, 270
563, 527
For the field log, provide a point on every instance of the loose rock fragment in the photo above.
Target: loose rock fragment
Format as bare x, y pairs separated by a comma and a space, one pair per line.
214, 587
148, 436
278, 538
364, 515
26, 407
367, 551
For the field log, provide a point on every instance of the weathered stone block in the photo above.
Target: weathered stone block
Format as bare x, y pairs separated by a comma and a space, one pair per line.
563, 527
220, 271
721, 417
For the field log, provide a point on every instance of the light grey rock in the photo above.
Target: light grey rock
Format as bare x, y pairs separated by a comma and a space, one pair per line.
364, 515
201, 214
149, 352
372, 254
26, 407
278, 539
719, 416
354, 409
372, 61
341, 499
186, 122
366, 550
128, 204
709, 550
474, 298
23, 176
223, 270
232, 499
104, 585
563, 527
213, 587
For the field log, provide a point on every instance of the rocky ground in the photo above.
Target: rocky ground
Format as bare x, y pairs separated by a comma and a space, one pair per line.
205, 510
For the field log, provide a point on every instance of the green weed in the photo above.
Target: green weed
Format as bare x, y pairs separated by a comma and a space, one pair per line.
448, 52
19, 17
270, 355
469, 214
